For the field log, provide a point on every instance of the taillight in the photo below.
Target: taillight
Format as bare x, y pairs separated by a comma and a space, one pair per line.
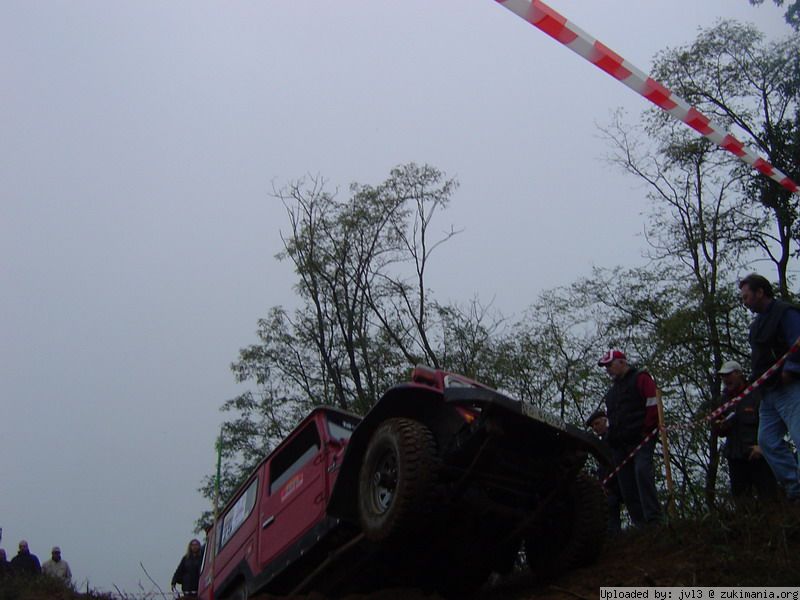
469, 415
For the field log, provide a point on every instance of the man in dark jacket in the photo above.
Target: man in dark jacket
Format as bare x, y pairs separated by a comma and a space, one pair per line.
746, 466
25, 563
632, 409
187, 575
598, 422
5, 566
774, 330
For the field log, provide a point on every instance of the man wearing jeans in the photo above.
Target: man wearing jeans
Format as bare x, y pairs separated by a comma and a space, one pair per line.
774, 330
632, 410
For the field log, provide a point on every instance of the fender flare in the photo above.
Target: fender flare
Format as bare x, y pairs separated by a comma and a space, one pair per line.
410, 400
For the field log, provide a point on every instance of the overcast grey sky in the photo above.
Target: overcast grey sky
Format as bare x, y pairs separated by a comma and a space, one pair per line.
140, 143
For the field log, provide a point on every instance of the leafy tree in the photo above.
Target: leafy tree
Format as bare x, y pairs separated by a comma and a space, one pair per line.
548, 357
469, 337
792, 14
361, 268
731, 73
401, 302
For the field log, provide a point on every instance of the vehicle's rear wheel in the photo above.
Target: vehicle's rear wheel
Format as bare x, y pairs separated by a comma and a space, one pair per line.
572, 535
466, 584
464, 574
397, 479
238, 593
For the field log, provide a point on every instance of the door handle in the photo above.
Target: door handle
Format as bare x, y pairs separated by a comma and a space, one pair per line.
268, 522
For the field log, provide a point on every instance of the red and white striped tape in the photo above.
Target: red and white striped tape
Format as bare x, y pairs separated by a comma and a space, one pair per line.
716, 413
540, 15
628, 458
757, 383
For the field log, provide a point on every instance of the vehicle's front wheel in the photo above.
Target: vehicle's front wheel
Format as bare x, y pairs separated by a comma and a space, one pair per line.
396, 480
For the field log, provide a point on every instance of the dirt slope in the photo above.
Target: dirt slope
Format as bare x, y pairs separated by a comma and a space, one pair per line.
750, 548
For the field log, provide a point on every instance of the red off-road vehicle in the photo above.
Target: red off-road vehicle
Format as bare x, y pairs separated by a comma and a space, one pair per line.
441, 483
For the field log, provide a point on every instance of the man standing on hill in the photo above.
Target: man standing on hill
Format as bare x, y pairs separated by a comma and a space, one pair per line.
632, 410
739, 425
598, 422
25, 563
5, 566
55, 567
773, 331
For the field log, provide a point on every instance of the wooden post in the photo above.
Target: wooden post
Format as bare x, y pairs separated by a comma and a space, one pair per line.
662, 430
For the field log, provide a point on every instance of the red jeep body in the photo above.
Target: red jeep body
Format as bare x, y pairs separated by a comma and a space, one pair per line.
280, 512
440, 483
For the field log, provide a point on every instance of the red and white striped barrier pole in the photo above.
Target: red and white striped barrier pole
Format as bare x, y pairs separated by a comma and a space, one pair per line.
540, 15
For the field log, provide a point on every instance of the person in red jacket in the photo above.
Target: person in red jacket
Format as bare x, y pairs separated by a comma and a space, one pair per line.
632, 409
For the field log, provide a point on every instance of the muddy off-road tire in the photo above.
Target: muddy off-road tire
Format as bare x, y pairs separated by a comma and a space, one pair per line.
239, 593
573, 534
396, 480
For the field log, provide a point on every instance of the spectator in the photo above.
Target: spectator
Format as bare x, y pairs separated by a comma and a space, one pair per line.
632, 414
598, 422
773, 331
56, 567
5, 566
187, 575
746, 466
25, 563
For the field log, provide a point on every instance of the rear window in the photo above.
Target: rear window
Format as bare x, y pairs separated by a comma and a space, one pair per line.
454, 381
293, 457
341, 427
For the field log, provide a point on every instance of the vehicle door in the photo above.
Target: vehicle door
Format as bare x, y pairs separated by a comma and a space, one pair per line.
294, 492
237, 529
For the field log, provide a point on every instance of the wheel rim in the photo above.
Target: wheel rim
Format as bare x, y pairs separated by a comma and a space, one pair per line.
384, 481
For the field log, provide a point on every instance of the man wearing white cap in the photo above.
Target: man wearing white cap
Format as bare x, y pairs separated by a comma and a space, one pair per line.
632, 410
747, 468
56, 567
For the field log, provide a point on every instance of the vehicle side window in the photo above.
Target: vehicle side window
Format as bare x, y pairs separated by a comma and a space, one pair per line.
237, 514
292, 458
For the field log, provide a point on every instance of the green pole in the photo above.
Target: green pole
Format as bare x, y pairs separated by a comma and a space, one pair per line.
219, 471
218, 446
